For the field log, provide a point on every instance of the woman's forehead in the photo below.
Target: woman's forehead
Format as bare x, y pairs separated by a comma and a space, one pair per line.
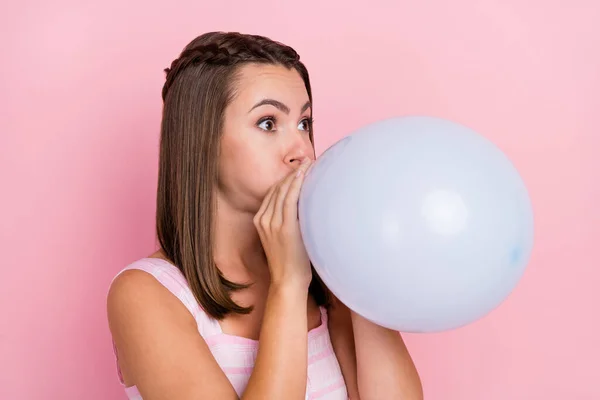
258, 82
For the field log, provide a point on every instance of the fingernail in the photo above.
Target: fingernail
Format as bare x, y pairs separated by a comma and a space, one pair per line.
306, 160
298, 173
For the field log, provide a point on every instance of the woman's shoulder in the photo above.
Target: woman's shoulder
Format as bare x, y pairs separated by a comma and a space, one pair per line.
150, 283
158, 268
136, 300
151, 326
142, 283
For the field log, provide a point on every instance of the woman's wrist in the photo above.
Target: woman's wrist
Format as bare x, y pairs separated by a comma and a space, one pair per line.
288, 289
290, 282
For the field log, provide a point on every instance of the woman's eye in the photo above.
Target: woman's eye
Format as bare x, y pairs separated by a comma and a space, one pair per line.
304, 125
267, 124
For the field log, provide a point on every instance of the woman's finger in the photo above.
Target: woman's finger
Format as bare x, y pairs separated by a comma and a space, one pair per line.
281, 195
290, 205
258, 218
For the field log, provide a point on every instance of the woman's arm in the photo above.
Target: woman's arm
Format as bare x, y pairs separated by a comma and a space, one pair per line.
374, 360
385, 369
281, 364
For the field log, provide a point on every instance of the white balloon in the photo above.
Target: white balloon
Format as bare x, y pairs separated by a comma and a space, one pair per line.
417, 223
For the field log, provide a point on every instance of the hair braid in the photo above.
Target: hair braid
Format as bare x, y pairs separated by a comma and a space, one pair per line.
229, 49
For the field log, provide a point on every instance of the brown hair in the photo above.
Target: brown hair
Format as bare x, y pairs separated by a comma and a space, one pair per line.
199, 86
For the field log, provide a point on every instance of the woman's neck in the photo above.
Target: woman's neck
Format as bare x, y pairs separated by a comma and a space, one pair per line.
237, 250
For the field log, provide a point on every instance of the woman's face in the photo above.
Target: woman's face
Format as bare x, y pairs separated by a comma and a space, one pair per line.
265, 133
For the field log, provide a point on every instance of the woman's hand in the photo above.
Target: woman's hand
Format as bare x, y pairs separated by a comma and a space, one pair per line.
279, 230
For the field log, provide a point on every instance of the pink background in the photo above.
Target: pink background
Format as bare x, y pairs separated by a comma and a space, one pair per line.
80, 112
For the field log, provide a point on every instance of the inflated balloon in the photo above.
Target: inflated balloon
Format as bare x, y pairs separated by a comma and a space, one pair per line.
417, 223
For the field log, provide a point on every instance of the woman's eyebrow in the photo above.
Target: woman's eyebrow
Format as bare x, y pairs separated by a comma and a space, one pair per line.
279, 105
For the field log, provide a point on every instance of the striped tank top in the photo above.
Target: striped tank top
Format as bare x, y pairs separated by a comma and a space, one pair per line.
236, 355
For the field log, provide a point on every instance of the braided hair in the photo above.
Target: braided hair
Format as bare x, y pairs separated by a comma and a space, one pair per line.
228, 49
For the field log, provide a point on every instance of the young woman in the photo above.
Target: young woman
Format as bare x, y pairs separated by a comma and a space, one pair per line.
229, 307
